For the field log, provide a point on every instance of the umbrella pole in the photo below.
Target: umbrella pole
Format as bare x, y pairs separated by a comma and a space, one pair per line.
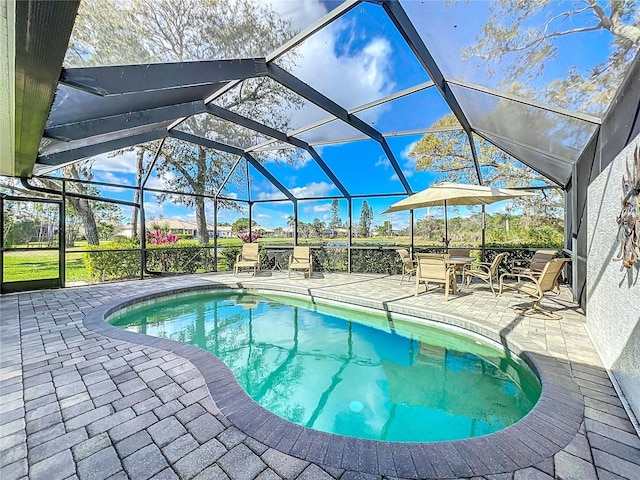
446, 229
411, 245
484, 228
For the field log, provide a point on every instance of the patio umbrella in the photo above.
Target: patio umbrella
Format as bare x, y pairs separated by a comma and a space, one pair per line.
445, 194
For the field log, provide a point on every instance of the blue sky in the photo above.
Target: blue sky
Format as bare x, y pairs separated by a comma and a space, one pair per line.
357, 59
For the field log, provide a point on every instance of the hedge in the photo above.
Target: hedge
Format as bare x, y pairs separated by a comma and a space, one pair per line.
106, 263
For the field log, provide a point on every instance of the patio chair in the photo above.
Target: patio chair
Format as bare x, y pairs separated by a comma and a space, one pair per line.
536, 285
408, 264
301, 260
537, 263
432, 268
248, 259
487, 272
459, 252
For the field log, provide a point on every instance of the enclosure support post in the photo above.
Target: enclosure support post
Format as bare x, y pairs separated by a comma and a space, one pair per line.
250, 221
215, 235
350, 232
143, 236
62, 237
295, 223
484, 231
1, 241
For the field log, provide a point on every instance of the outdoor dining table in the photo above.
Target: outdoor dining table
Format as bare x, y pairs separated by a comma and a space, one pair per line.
279, 257
459, 264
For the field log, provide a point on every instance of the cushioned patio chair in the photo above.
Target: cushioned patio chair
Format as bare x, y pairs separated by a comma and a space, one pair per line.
301, 261
536, 285
408, 264
459, 252
537, 263
487, 272
432, 268
248, 259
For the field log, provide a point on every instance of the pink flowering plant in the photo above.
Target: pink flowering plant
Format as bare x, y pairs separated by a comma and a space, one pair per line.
246, 239
158, 237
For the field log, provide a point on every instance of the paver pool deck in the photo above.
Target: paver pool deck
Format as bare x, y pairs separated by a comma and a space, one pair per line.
82, 399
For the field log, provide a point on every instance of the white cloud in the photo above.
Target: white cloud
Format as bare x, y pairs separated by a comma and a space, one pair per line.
301, 14
407, 174
363, 73
110, 177
263, 215
322, 208
271, 195
408, 161
152, 209
382, 162
125, 163
313, 189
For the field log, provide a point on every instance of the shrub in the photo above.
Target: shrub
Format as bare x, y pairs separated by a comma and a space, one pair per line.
105, 263
180, 258
375, 260
120, 260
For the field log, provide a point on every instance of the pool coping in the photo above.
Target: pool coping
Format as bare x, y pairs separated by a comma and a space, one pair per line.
547, 429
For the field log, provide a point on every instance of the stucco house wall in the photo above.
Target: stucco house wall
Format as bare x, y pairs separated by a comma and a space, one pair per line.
613, 291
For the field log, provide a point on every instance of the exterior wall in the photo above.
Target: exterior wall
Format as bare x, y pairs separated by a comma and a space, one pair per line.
613, 292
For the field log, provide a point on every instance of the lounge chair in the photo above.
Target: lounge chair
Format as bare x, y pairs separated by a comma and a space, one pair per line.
487, 272
432, 268
536, 285
408, 264
301, 260
248, 259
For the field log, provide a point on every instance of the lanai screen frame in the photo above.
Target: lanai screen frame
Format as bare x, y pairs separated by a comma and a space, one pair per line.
399, 17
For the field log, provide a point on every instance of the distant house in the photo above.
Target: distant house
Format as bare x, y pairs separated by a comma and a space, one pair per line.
170, 225
224, 231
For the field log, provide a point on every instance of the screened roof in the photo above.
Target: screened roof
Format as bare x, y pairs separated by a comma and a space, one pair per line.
295, 82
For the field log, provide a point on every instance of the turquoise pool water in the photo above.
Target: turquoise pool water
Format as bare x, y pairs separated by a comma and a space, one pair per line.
346, 371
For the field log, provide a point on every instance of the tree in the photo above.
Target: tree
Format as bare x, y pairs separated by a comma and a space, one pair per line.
450, 154
145, 31
366, 216
83, 206
317, 228
241, 225
429, 228
385, 230
335, 222
509, 42
136, 194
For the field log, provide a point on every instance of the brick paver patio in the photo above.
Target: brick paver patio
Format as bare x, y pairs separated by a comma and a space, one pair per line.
82, 400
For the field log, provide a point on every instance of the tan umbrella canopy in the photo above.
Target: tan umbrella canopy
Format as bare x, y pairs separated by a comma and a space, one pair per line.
444, 194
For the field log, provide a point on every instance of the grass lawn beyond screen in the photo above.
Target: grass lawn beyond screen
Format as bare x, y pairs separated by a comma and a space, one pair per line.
40, 264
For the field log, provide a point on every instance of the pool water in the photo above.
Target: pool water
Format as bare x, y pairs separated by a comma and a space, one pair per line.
346, 371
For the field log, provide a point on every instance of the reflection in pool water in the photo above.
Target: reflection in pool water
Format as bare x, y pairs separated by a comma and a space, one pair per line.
365, 377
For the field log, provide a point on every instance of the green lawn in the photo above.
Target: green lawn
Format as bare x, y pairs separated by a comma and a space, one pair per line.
38, 265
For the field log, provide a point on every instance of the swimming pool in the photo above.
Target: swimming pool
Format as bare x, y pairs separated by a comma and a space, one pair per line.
369, 376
